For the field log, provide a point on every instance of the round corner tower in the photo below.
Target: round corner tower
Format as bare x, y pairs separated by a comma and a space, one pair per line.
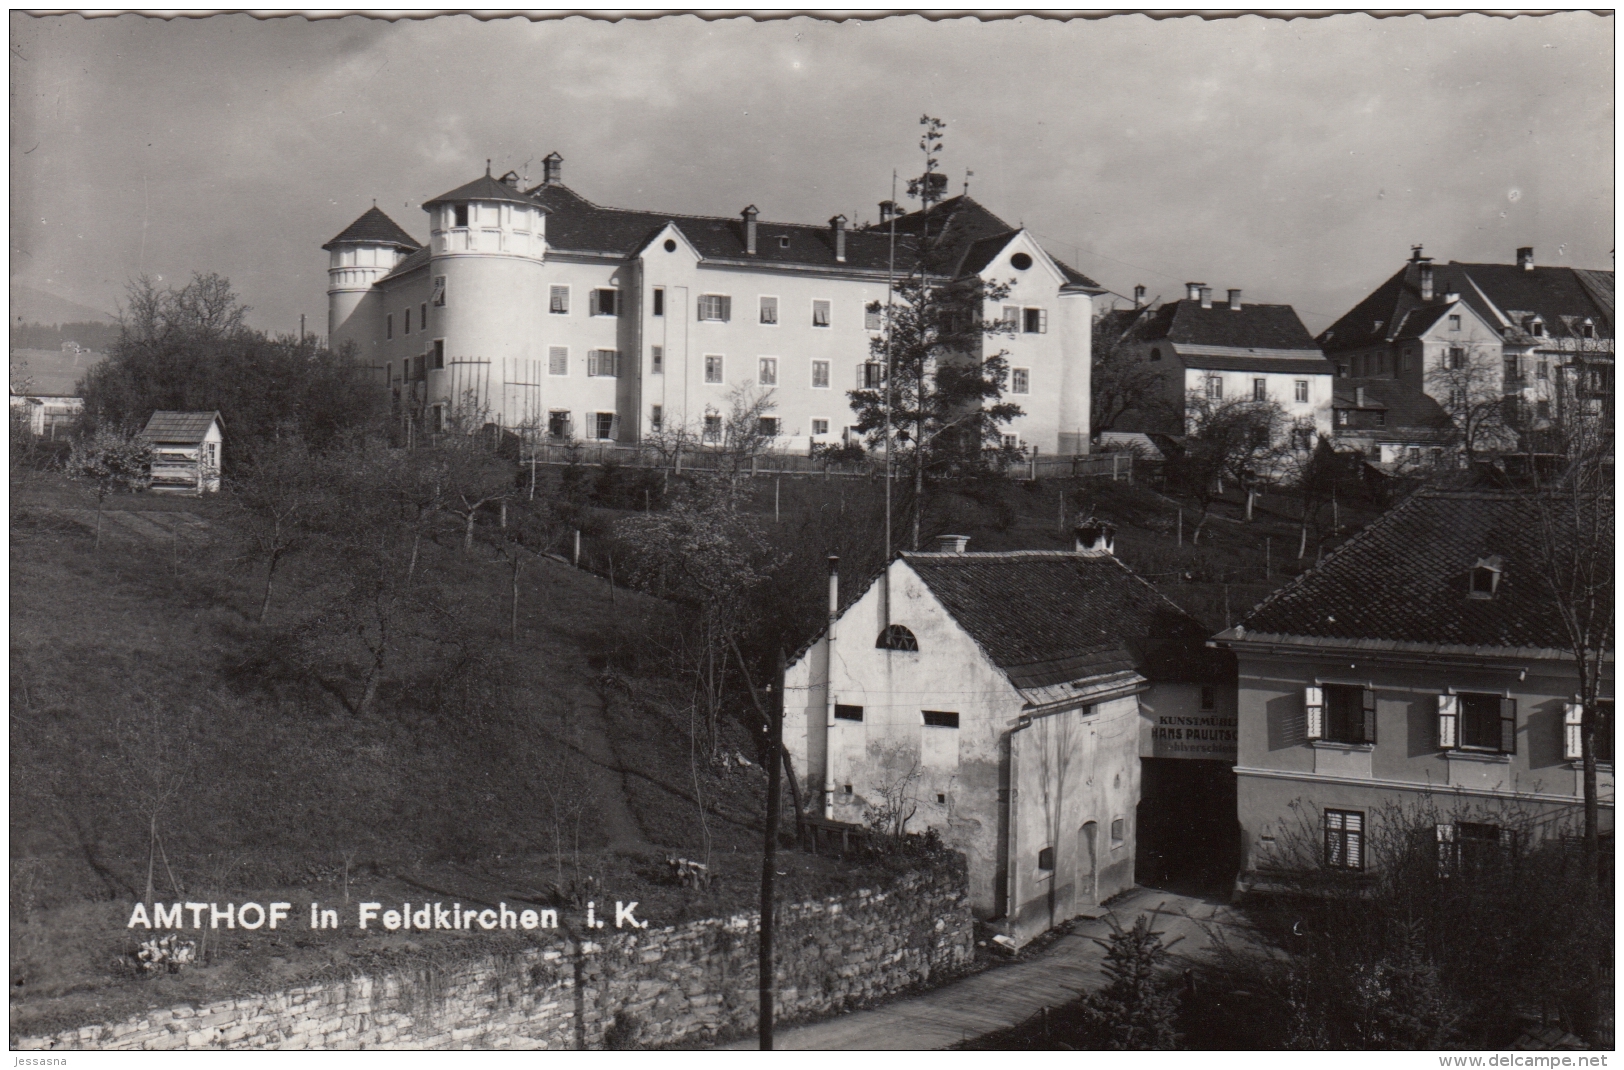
487, 244
366, 251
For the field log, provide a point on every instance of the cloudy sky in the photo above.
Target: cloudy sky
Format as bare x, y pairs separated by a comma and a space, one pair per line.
1296, 159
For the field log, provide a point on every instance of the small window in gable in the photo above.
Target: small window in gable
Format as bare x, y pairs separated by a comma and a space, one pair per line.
896, 637
1454, 323
1486, 577
1020, 261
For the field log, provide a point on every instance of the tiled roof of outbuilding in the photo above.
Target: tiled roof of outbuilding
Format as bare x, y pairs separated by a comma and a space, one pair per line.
1404, 580
374, 228
1047, 617
1405, 406
188, 428
1258, 327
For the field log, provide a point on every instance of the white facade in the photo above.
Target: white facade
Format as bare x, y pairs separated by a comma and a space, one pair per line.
492, 318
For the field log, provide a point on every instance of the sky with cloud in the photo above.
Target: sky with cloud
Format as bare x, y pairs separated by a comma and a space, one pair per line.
1296, 159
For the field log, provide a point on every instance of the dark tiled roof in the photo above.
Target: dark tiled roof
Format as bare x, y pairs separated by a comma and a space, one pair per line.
1555, 294
374, 228
1419, 321
181, 427
1047, 617
1404, 579
1077, 278
575, 224
1405, 406
1253, 327
483, 188
416, 260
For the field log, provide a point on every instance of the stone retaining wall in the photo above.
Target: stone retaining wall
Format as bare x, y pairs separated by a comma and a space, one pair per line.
645, 989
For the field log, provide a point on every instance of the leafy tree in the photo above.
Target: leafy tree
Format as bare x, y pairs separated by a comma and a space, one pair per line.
931, 394
110, 461
1137, 1009
188, 349
278, 491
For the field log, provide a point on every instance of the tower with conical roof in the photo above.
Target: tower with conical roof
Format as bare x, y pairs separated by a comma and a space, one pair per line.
487, 243
364, 252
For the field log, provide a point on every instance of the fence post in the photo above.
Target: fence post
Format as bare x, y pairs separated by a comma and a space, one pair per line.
577, 555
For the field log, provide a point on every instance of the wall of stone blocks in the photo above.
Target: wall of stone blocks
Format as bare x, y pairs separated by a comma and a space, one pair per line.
649, 988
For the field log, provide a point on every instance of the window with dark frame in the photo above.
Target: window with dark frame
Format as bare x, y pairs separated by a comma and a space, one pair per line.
897, 637
1350, 714
656, 356
437, 354
767, 426
713, 428
940, 719
820, 427
1118, 832
769, 311
1034, 321
820, 375
558, 423
389, 325
1046, 859
820, 313
459, 215
605, 302
423, 316
713, 368
655, 418
1344, 839
1260, 390
606, 425
1487, 723
659, 301
1301, 389
848, 713
558, 300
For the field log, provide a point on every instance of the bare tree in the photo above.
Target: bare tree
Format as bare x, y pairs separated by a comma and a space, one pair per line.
1239, 440
1468, 383
277, 495
895, 779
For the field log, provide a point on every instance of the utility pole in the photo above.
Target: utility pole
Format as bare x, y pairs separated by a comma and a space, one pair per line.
769, 858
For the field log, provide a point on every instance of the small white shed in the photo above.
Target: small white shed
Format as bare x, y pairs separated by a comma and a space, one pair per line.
186, 451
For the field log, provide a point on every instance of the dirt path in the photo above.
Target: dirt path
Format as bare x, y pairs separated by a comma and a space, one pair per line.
591, 736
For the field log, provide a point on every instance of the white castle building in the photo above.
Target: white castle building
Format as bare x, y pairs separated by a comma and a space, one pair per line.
545, 310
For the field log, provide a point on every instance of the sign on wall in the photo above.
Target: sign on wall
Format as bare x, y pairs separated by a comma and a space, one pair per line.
1209, 735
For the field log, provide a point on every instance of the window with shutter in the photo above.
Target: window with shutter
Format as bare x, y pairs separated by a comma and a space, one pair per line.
769, 311
727, 309
1350, 714
820, 313
558, 360
1367, 709
873, 319
1011, 318
1037, 321
591, 363
1344, 839
1448, 721
1508, 726
1314, 712
558, 301
439, 291
820, 375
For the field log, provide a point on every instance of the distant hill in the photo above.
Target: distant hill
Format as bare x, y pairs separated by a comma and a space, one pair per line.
30, 305
51, 372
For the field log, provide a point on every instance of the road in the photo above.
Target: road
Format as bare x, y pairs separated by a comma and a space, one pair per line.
1003, 996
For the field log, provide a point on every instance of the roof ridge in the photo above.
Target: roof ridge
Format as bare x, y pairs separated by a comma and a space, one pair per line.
673, 217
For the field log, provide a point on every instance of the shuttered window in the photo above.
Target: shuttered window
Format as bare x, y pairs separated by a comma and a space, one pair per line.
873, 319
603, 363
558, 302
558, 360
605, 302
1037, 321
820, 313
1313, 713
769, 310
1480, 722
1350, 714
1448, 721
715, 307
1344, 839
1573, 732
439, 292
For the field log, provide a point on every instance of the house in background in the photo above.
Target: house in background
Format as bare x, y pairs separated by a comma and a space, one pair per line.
1423, 661
45, 386
1224, 352
1391, 426
187, 450
541, 309
997, 699
1531, 328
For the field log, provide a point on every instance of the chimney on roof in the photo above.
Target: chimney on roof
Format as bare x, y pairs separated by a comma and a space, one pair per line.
1451, 297
1525, 258
1192, 291
951, 544
839, 225
1424, 269
1139, 296
750, 214
1206, 297
1094, 536
552, 173
1234, 300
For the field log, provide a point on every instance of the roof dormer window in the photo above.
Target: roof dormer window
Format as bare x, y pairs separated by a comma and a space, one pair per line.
1486, 577
1534, 326
1587, 328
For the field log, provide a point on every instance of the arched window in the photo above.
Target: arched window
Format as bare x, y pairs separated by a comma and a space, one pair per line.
896, 637
1155, 354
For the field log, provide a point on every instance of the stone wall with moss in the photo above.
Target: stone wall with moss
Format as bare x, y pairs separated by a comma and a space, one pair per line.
643, 989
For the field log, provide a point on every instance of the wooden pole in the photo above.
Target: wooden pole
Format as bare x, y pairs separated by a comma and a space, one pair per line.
776, 481
1181, 527
577, 555
1267, 561
769, 860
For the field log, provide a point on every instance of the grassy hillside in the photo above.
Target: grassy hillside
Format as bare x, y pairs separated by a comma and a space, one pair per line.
145, 697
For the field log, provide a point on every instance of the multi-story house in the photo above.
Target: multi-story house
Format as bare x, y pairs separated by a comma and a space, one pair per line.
1228, 351
999, 698
1470, 334
539, 308
1421, 668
